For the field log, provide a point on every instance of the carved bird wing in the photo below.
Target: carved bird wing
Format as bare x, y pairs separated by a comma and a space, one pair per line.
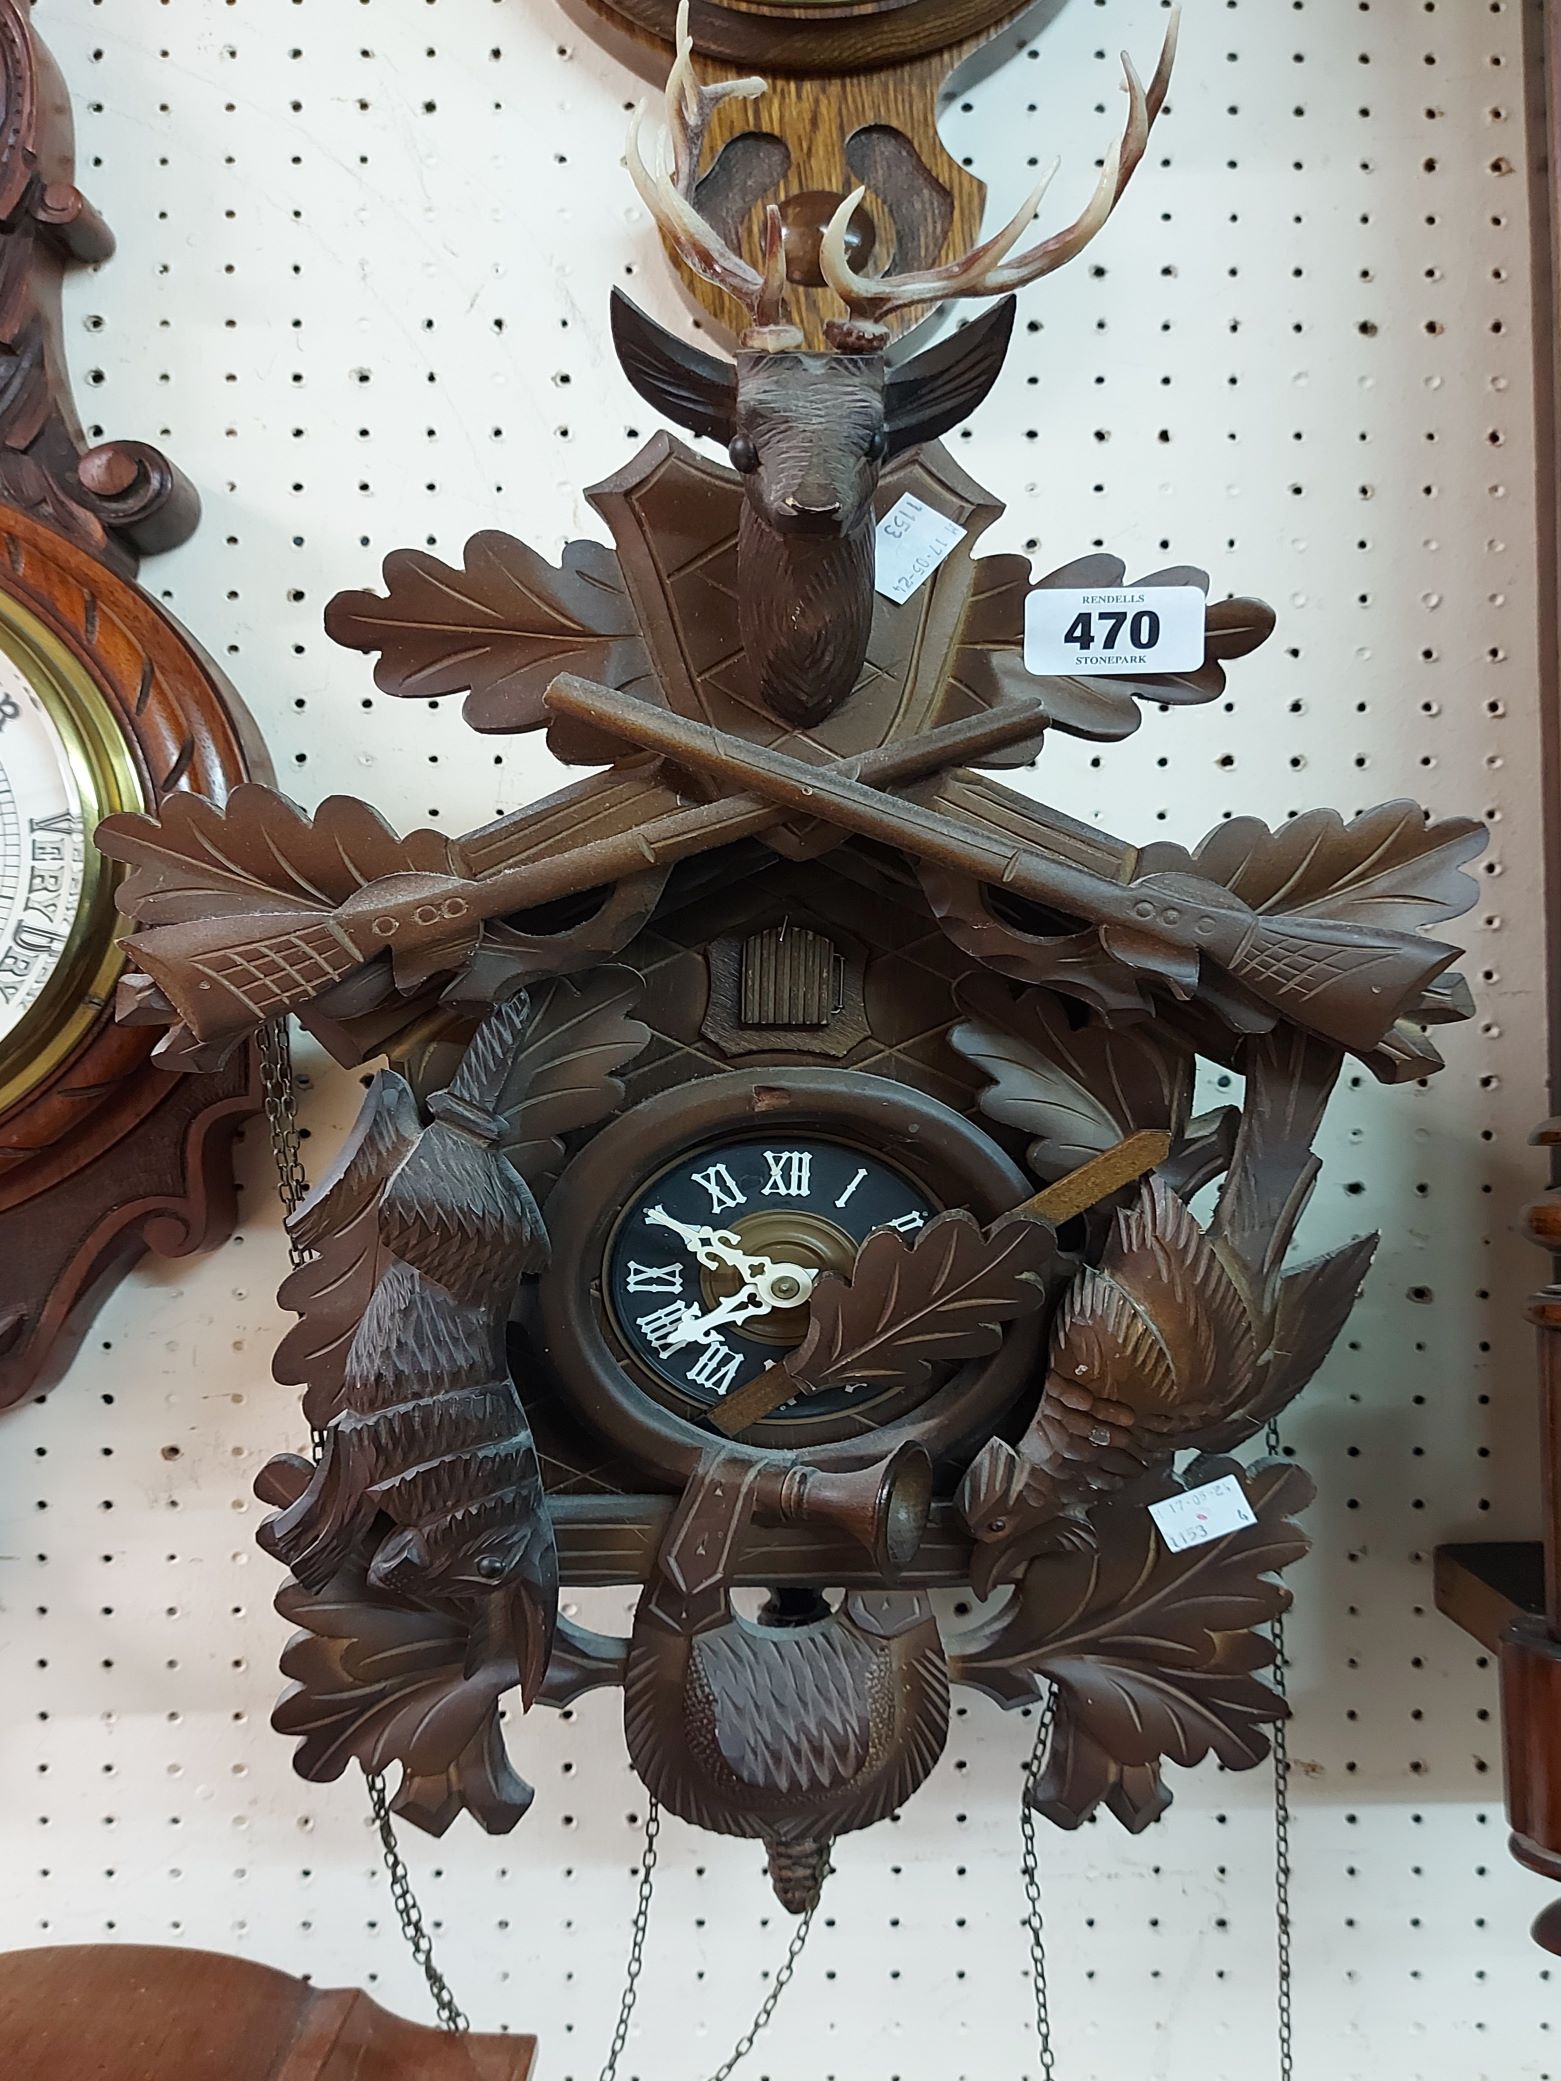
1313, 1305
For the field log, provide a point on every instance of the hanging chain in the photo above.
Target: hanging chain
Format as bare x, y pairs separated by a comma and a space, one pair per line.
280, 1095
1282, 2006
279, 1090
1030, 1870
631, 1977
782, 1981
408, 1913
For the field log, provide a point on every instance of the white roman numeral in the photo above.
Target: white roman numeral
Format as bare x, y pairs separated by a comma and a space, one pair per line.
717, 1366
907, 1224
861, 1174
790, 1172
721, 1186
655, 1278
659, 1329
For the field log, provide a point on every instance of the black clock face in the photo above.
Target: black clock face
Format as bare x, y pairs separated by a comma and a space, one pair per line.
709, 1269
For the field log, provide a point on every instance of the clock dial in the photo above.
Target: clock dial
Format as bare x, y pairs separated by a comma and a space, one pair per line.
709, 1270
43, 845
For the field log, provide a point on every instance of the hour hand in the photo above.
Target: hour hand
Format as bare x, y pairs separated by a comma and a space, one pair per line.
737, 1307
770, 1286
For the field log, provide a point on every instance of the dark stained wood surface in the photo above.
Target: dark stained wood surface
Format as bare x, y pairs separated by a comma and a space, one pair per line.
104, 1155
134, 2012
112, 1154
1484, 1586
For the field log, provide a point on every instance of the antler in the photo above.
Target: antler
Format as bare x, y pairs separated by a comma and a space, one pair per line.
668, 193
986, 270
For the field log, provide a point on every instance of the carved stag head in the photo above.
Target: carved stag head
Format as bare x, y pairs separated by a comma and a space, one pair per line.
810, 432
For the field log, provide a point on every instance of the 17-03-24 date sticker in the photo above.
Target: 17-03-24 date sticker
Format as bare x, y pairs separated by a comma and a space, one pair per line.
1102, 630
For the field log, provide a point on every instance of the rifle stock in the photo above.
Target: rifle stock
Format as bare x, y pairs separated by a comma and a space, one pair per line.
226, 975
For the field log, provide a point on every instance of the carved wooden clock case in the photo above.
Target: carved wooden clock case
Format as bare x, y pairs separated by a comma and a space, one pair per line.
785, 1174
105, 706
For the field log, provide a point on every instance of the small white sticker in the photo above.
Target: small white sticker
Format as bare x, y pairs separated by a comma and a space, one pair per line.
912, 541
1201, 1514
1145, 628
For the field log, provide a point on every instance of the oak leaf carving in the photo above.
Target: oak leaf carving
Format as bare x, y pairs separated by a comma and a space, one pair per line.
1391, 867
909, 1308
257, 852
1075, 963
503, 626
1074, 1090
340, 1221
990, 658
381, 1683
564, 1074
1153, 1654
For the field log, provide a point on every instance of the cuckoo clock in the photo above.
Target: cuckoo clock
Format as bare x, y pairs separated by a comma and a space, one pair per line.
784, 1176
105, 707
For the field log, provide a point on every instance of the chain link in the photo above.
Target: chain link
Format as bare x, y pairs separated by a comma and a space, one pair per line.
631, 1977
280, 1095
1030, 1871
1030, 1868
782, 1981
279, 1091
1281, 1746
408, 1912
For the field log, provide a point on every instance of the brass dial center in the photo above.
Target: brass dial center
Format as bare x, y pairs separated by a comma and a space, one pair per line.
785, 1235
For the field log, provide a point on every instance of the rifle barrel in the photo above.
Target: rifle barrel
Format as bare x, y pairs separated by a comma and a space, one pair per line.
685, 832
841, 799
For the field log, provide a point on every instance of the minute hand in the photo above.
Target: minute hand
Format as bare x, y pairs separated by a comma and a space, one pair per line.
1343, 980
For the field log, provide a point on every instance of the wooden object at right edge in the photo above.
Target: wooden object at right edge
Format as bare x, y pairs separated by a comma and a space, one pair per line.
1509, 1595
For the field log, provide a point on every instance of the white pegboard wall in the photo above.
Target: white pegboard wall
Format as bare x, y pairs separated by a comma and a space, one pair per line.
365, 248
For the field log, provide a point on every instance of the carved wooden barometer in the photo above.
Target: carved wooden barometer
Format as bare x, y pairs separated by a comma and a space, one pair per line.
105, 706
785, 1178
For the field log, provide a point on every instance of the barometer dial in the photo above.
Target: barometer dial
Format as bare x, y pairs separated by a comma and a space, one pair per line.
43, 845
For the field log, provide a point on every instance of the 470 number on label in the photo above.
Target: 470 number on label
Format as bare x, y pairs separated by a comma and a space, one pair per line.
1147, 628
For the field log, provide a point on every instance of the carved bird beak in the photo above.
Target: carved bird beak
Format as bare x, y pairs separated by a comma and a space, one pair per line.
994, 1562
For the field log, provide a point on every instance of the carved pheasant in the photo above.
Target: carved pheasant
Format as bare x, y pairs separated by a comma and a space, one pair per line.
1167, 1345
428, 1467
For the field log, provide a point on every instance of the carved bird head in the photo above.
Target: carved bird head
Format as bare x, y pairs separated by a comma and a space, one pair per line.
1013, 1513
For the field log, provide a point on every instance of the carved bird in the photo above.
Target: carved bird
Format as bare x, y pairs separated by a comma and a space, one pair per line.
1170, 1343
428, 1462
794, 1729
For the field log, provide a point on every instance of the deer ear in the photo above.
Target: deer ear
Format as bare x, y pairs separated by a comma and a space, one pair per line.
939, 387
695, 389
